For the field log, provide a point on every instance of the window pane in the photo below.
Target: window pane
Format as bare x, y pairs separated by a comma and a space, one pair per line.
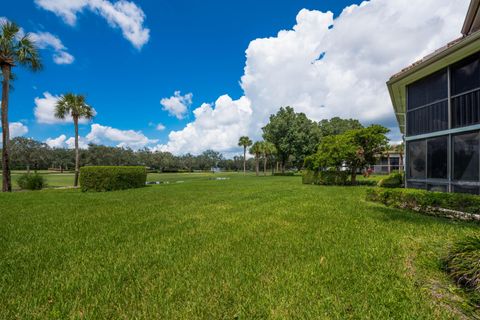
466, 157
428, 119
416, 159
428, 90
466, 109
466, 189
465, 75
437, 187
437, 158
416, 185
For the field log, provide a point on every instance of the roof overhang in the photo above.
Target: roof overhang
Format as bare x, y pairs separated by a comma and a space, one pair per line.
472, 21
442, 58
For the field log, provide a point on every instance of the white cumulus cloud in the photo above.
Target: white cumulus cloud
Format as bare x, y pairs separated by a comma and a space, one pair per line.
177, 105
215, 127
58, 142
330, 67
160, 127
44, 110
104, 135
17, 129
122, 14
46, 40
122, 138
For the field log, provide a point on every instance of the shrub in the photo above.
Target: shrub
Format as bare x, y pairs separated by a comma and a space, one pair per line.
463, 262
112, 178
30, 181
394, 180
449, 205
331, 178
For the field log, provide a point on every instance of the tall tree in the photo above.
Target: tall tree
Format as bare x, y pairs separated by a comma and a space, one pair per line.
337, 126
75, 106
257, 150
293, 134
244, 142
15, 48
268, 149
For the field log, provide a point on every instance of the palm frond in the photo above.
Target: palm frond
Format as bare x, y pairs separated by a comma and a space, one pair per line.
27, 53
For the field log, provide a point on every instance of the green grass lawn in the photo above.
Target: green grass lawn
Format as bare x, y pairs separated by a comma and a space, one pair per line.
246, 248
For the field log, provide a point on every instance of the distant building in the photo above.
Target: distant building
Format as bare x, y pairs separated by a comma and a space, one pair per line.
389, 162
437, 105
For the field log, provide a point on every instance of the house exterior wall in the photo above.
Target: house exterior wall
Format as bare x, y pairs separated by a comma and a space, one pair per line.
443, 129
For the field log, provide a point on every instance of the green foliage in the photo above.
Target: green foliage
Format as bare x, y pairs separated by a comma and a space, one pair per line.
112, 178
428, 202
293, 134
394, 180
244, 142
463, 262
73, 105
328, 177
336, 126
31, 181
354, 149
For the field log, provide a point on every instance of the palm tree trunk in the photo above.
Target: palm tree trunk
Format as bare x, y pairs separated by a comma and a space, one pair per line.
77, 154
257, 165
265, 165
244, 160
7, 182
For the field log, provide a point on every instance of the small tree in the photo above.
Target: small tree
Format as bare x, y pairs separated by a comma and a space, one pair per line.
257, 150
354, 149
76, 107
244, 142
268, 150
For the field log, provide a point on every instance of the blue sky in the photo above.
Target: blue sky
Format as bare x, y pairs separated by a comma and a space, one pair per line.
195, 47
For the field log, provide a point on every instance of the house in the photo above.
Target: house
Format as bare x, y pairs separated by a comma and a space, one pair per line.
437, 105
388, 162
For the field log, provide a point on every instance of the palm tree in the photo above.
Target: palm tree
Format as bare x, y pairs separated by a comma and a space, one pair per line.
15, 48
75, 106
257, 151
244, 142
268, 150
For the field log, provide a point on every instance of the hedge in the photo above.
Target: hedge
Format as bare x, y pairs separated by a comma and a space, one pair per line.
101, 179
449, 205
332, 178
394, 180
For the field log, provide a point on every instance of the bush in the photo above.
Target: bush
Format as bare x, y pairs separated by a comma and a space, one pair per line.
449, 205
394, 180
30, 181
332, 178
463, 262
112, 178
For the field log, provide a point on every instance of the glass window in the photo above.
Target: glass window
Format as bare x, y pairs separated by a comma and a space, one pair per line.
437, 158
416, 159
465, 75
466, 189
428, 119
437, 187
466, 157
427, 90
415, 185
466, 109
